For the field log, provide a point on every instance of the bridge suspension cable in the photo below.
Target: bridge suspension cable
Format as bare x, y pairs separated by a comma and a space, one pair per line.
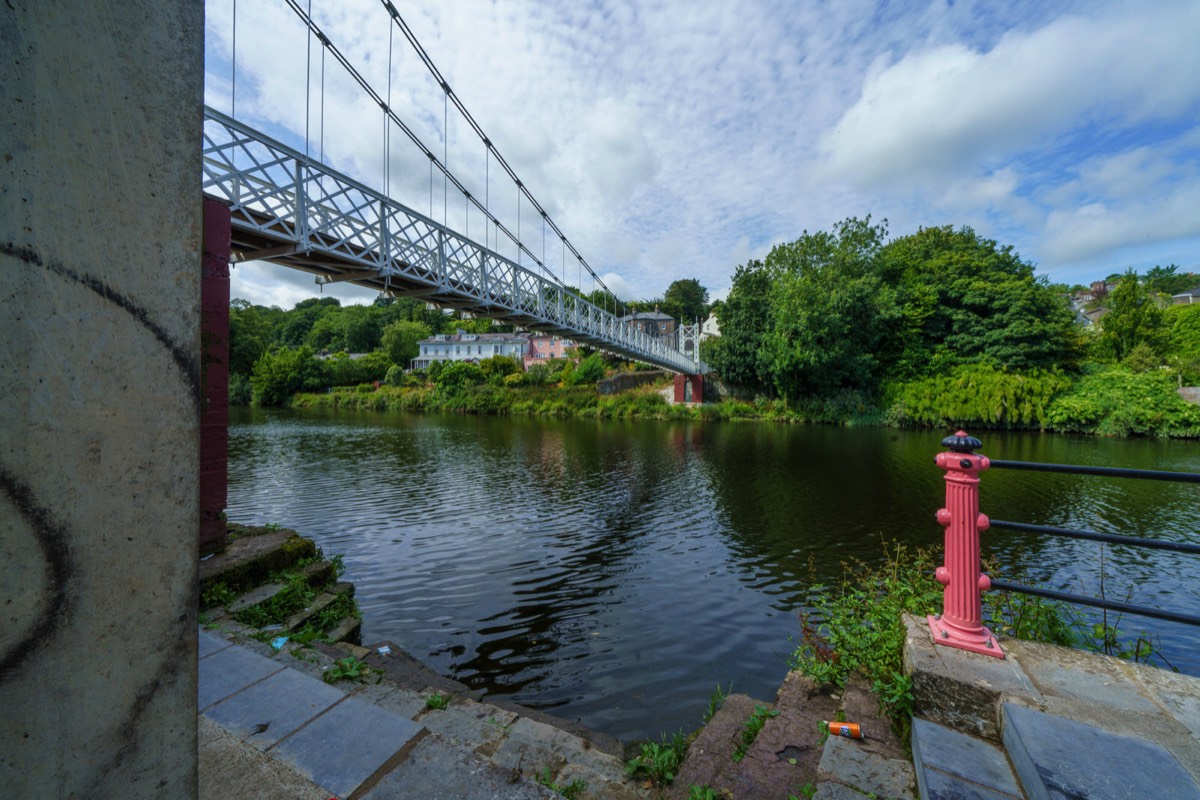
365, 85
462, 109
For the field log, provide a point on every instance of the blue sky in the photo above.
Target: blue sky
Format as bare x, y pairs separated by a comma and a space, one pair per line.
677, 139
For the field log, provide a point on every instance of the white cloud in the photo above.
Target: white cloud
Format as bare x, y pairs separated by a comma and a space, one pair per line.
951, 108
671, 139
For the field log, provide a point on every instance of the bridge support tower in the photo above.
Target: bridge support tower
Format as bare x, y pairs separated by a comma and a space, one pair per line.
689, 388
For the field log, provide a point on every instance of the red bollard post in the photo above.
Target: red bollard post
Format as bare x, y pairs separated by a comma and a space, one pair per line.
961, 622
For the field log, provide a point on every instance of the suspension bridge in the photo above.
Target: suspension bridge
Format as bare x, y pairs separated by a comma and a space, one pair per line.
289, 208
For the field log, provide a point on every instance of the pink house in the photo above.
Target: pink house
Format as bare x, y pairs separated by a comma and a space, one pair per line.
543, 347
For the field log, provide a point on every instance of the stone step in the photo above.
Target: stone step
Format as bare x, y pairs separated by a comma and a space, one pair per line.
951, 765
252, 556
317, 574
348, 630
319, 604
1055, 757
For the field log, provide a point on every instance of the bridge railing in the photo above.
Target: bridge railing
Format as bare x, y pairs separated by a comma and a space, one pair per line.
961, 622
304, 208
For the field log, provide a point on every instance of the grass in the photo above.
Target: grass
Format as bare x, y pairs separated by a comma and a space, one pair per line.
217, 595
659, 761
572, 790
750, 730
715, 702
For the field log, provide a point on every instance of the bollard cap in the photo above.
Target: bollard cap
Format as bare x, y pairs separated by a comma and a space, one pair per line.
962, 443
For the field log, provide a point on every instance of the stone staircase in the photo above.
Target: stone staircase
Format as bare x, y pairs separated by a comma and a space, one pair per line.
273, 585
1049, 722
793, 756
396, 729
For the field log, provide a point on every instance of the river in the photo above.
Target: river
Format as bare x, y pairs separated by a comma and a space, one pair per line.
617, 572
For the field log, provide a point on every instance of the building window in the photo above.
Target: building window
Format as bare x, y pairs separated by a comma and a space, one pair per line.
662, 326
457, 349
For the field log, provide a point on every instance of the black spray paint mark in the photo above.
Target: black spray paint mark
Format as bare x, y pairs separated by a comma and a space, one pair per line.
52, 537
184, 360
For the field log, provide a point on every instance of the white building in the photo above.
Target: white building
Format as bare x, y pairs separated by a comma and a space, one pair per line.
710, 328
473, 347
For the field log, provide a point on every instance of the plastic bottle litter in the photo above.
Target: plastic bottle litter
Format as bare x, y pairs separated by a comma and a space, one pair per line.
850, 730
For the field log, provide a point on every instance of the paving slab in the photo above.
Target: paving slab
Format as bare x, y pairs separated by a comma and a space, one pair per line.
273, 708
346, 745
207, 643
950, 764
845, 761
228, 671
1061, 759
532, 746
960, 689
229, 768
466, 723
437, 770
1081, 676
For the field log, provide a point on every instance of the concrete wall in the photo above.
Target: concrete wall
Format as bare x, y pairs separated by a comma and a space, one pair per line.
100, 231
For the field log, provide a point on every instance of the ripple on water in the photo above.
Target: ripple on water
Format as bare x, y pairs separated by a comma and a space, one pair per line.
617, 573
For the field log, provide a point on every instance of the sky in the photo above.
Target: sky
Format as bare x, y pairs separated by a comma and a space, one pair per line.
674, 139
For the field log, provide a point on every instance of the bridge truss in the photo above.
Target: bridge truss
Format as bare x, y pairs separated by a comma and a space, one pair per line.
292, 210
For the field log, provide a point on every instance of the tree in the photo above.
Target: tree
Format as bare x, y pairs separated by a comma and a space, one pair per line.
401, 341
1167, 280
283, 371
456, 375
686, 300
830, 311
249, 337
590, 370
1133, 318
744, 326
965, 299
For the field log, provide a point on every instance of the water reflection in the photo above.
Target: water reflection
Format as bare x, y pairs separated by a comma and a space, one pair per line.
617, 571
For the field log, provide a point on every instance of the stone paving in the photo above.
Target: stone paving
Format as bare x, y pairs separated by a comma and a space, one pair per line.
376, 740
1049, 722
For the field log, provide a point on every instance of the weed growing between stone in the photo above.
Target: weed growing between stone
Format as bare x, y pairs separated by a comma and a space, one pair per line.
715, 702
437, 702
217, 595
349, 668
659, 761
704, 792
858, 626
754, 724
571, 791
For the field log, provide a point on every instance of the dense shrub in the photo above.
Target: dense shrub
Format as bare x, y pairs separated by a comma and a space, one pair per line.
1116, 401
977, 395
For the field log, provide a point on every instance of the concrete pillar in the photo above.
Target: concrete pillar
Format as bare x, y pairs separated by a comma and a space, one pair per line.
214, 377
100, 232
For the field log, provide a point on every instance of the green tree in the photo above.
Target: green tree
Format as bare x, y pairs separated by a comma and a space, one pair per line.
1133, 318
1167, 280
496, 368
283, 371
249, 336
401, 341
686, 300
745, 322
457, 375
830, 311
299, 321
1183, 353
589, 370
965, 299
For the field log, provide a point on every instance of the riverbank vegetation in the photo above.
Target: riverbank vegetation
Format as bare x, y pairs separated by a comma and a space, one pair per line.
941, 328
858, 626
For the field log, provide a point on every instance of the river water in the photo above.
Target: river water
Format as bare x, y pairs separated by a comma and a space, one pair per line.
616, 572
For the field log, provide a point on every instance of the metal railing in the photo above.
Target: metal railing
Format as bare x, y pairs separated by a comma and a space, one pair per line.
300, 213
960, 624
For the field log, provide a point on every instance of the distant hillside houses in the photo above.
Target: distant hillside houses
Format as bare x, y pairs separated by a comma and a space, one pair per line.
652, 323
1188, 297
524, 348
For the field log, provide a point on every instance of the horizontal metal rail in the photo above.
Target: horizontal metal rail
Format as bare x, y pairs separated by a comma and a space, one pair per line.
1096, 602
1096, 536
287, 208
1110, 472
